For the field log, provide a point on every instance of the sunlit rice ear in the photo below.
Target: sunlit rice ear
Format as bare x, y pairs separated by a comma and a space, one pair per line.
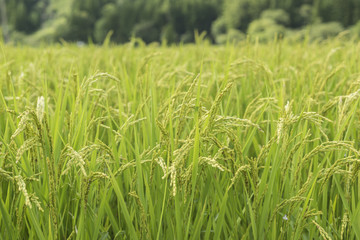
40, 108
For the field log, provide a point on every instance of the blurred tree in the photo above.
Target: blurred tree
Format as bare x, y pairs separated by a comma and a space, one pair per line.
168, 34
25, 15
147, 31
238, 14
219, 27
265, 29
121, 18
187, 16
325, 30
305, 14
82, 19
278, 15
107, 22
165, 19
347, 12
355, 30
232, 36
4, 20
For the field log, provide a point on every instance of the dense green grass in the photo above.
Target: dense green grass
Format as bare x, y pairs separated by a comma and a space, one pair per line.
250, 141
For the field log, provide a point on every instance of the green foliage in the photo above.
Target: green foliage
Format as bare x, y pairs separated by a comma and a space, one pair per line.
239, 13
279, 16
325, 30
81, 22
170, 20
266, 29
355, 30
79, 26
305, 14
219, 27
169, 34
147, 31
118, 18
344, 12
232, 36
25, 15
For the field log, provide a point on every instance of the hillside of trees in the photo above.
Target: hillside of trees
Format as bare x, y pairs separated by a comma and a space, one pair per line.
173, 21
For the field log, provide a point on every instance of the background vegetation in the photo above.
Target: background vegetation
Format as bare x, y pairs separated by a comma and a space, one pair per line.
33, 21
187, 142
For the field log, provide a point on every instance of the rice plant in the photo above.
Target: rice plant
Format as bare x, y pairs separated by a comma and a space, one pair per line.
248, 141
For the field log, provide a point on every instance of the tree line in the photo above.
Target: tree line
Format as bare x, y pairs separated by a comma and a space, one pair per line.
172, 20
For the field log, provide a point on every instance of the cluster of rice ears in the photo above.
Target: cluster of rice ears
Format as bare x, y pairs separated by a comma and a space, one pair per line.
189, 142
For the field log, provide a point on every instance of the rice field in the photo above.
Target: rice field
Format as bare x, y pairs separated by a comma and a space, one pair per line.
248, 141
